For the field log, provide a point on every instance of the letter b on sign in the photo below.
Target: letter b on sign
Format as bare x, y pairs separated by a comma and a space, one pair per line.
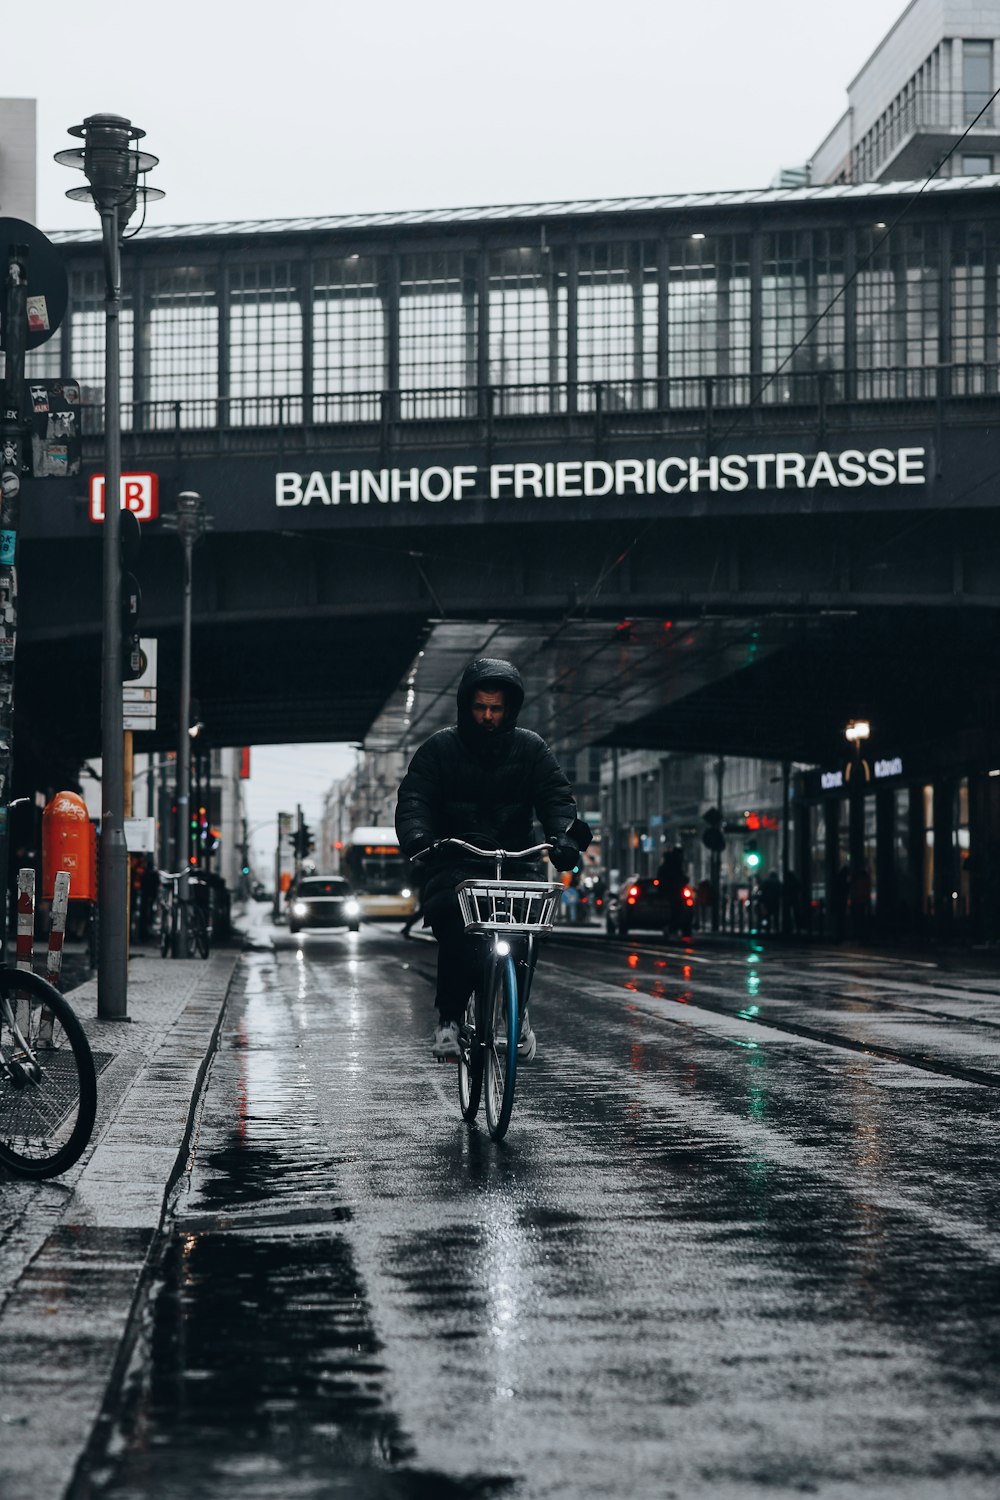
139, 494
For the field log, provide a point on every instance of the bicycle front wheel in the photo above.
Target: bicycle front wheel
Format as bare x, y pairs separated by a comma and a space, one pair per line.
470, 1064
501, 1049
48, 1087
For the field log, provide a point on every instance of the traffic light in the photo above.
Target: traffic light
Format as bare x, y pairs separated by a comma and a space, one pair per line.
302, 841
712, 835
130, 538
751, 855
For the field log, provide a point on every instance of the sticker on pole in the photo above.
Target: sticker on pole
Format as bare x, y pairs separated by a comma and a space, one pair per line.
140, 493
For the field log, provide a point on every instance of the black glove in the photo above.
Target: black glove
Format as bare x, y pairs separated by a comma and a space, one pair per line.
564, 854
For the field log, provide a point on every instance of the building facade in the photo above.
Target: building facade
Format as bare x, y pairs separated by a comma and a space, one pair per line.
925, 94
17, 159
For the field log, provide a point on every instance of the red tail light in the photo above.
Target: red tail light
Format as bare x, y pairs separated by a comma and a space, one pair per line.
631, 900
633, 891
689, 895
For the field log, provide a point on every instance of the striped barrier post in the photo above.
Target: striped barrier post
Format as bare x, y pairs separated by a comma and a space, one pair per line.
57, 929
57, 934
25, 942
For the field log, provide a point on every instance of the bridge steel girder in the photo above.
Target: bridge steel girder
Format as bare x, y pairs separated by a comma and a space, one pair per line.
303, 636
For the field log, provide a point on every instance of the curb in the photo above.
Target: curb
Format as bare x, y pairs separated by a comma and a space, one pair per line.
69, 1325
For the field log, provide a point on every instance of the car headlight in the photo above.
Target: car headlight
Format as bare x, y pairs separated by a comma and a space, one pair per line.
352, 908
406, 892
299, 908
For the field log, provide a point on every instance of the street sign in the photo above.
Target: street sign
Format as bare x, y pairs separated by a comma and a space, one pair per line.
140, 835
139, 492
138, 722
47, 284
139, 696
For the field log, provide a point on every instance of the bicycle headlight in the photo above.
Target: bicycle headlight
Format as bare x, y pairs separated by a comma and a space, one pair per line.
502, 947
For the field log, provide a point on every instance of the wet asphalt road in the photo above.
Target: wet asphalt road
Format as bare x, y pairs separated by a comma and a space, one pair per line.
740, 1240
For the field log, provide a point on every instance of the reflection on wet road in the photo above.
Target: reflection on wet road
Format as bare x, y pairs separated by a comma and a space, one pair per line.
733, 1244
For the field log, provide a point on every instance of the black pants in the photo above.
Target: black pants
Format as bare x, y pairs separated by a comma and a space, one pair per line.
457, 959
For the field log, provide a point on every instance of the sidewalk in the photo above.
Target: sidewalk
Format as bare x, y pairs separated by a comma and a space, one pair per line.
73, 1251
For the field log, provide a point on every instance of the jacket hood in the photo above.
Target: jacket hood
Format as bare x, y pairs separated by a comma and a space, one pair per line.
494, 672
489, 672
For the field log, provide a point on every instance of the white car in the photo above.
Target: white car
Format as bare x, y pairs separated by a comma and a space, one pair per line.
323, 901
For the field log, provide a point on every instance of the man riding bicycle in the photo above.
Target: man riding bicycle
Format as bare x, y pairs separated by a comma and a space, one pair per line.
481, 781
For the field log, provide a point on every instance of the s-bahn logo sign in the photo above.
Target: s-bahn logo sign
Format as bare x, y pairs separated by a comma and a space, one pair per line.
592, 478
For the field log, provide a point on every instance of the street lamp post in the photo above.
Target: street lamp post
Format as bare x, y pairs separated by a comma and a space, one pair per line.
190, 522
112, 168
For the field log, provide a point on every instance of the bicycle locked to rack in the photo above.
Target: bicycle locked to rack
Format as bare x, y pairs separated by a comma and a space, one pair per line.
48, 1082
177, 912
508, 916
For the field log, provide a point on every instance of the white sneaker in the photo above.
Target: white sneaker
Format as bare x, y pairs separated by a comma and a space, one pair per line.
526, 1041
445, 1043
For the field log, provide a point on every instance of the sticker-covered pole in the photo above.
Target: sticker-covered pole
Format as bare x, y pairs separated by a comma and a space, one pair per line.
15, 264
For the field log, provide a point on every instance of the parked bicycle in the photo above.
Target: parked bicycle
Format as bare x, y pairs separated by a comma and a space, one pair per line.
48, 1084
507, 916
172, 906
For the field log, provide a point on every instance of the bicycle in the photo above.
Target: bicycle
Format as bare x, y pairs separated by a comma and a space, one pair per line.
171, 904
512, 914
48, 1083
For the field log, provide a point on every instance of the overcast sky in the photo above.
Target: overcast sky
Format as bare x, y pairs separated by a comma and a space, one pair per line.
318, 106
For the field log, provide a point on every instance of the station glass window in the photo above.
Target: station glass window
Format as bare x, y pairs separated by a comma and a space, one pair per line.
45, 362
976, 166
616, 309
962, 847
438, 334
801, 332
527, 318
265, 343
708, 318
349, 339
817, 865
180, 344
927, 889
86, 292
898, 311
901, 857
974, 272
977, 81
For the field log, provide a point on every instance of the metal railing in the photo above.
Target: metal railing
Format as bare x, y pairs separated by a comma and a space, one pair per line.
927, 110
696, 403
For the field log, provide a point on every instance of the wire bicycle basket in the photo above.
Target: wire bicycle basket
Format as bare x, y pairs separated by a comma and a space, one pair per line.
507, 906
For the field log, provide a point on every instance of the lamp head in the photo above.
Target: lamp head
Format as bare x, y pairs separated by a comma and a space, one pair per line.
110, 164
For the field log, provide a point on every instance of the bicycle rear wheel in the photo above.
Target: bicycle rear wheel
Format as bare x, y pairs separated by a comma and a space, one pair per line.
470, 1064
166, 930
48, 1087
501, 1049
197, 932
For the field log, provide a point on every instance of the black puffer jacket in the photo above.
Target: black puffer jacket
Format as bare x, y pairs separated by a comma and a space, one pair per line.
483, 788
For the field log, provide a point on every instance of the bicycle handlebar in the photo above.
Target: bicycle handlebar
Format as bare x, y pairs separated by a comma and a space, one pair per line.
500, 854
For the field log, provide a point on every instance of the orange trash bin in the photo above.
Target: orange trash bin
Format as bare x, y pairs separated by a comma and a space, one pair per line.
69, 842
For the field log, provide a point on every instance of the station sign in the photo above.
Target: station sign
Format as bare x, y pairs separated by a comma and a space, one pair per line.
140, 493
877, 770
583, 479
